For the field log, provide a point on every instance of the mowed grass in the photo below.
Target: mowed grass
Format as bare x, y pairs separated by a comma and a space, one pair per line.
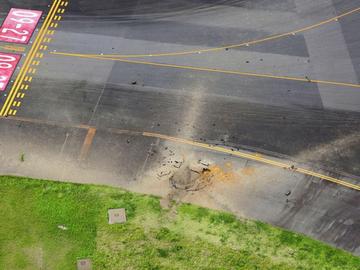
186, 237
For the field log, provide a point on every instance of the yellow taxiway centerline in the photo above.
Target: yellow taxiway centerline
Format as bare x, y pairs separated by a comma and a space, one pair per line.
215, 70
243, 44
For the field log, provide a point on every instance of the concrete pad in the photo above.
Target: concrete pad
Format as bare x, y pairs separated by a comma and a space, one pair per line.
84, 264
117, 216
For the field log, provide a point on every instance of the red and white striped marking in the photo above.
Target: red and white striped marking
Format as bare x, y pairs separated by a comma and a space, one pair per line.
8, 63
19, 25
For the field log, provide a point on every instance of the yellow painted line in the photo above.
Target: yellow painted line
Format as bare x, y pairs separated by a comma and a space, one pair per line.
253, 157
26, 87
14, 112
247, 43
29, 59
66, 3
18, 95
328, 178
215, 70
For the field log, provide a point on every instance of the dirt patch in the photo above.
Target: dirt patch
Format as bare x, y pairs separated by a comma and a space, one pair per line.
35, 255
248, 171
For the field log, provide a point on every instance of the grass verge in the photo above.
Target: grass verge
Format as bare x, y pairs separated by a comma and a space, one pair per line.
188, 237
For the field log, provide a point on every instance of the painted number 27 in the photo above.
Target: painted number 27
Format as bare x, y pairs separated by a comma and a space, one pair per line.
23, 34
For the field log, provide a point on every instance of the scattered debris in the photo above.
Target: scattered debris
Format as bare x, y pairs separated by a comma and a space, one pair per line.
349, 222
163, 173
134, 82
191, 177
205, 162
198, 167
22, 157
307, 78
177, 164
84, 264
176, 160
288, 193
117, 215
62, 227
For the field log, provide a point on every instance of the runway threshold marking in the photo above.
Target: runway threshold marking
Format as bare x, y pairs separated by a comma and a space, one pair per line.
242, 154
214, 70
31, 60
243, 44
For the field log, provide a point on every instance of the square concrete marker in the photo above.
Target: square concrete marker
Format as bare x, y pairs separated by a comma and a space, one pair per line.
117, 215
84, 264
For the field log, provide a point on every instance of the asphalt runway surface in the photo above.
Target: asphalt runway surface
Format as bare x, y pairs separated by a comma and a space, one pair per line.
215, 72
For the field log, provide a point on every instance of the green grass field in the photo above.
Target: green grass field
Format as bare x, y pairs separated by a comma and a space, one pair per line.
186, 237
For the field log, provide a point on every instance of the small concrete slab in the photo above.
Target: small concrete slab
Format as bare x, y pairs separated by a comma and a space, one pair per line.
117, 216
84, 264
